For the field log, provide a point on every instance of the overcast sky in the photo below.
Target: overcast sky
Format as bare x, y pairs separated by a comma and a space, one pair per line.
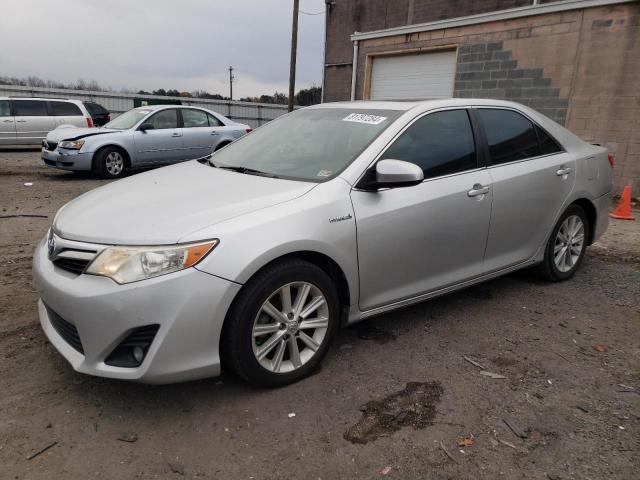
151, 44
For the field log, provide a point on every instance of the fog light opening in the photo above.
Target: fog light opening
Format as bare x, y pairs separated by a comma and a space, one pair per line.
132, 350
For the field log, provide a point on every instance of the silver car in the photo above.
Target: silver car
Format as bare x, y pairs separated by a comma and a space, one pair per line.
26, 121
254, 256
143, 137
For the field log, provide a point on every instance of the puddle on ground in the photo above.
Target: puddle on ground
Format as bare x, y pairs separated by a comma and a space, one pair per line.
372, 332
414, 406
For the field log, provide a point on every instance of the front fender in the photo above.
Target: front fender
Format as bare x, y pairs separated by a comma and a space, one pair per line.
251, 241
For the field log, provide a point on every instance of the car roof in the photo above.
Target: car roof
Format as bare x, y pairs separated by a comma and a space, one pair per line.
406, 105
42, 98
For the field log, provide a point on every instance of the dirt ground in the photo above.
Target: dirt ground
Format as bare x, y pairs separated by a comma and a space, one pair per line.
395, 397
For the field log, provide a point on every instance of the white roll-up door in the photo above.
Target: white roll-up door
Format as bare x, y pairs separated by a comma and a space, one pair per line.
414, 76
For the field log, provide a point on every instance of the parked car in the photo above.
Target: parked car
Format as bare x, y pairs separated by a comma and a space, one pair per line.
142, 137
257, 254
99, 114
26, 121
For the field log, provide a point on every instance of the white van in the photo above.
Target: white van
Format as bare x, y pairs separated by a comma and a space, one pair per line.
26, 121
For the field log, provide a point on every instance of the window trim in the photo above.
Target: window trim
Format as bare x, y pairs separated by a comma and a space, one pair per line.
535, 124
480, 163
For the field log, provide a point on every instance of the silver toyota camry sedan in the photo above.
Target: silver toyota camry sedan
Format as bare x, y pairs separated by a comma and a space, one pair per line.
253, 257
140, 138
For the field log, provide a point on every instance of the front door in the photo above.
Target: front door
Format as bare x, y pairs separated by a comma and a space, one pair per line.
161, 144
414, 240
531, 176
7, 124
33, 121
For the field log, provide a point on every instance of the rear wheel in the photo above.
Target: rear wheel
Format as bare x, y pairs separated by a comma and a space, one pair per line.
110, 163
281, 324
566, 246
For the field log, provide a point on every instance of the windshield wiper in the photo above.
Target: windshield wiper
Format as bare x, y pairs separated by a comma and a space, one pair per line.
247, 170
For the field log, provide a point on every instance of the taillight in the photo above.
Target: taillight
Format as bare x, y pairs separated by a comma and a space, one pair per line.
89, 122
249, 130
108, 118
612, 160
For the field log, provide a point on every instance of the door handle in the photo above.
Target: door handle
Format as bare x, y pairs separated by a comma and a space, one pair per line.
478, 190
176, 134
214, 133
8, 121
562, 171
21, 121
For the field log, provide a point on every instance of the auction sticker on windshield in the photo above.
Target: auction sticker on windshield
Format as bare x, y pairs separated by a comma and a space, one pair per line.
364, 118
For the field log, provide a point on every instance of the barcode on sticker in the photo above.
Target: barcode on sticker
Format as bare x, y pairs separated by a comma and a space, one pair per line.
364, 118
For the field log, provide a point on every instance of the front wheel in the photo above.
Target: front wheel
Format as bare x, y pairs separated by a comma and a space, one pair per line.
110, 163
281, 324
566, 246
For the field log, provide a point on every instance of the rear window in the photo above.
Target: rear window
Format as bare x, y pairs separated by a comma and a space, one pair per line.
95, 108
510, 135
30, 108
65, 109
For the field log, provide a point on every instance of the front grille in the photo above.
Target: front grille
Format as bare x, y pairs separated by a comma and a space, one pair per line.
73, 265
66, 330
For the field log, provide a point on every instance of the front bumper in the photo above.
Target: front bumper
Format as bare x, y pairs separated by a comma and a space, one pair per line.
190, 307
67, 159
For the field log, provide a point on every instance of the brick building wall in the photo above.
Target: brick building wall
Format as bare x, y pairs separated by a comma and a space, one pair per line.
579, 67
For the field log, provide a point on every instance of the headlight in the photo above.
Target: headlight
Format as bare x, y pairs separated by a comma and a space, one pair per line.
130, 264
71, 144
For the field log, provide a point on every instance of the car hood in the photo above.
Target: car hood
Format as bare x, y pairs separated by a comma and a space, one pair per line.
164, 205
73, 133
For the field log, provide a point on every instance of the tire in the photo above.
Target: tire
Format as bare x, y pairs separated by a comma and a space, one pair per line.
557, 271
261, 349
110, 163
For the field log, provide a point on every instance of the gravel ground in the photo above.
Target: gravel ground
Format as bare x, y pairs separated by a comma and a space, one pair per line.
395, 397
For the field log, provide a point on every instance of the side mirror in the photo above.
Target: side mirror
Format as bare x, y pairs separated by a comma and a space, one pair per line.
146, 126
392, 173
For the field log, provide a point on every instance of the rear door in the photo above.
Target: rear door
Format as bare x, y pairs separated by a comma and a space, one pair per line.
67, 113
33, 121
200, 138
531, 175
161, 144
7, 124
414, 240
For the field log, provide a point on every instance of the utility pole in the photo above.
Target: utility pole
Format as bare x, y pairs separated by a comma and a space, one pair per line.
231, 79
294, 48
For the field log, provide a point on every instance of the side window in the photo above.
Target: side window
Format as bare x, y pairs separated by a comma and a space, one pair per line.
30, 108
510, 135
165, 119
547, 144
213, 121
65, 109
440, 143
194, 118
5, 111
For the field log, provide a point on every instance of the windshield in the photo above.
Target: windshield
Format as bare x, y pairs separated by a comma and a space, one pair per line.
310, 144
128, 119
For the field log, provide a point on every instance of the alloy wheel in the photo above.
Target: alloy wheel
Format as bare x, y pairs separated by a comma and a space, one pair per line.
569, 243
114, 163
290, 327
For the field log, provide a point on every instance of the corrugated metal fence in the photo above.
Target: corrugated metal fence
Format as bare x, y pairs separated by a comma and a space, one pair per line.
253, 114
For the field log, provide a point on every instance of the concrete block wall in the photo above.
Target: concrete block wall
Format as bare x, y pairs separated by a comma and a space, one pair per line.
579, 67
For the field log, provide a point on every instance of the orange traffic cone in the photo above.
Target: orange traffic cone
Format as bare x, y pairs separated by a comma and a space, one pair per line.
623, 210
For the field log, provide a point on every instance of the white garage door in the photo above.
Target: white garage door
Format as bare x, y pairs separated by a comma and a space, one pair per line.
423, 75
